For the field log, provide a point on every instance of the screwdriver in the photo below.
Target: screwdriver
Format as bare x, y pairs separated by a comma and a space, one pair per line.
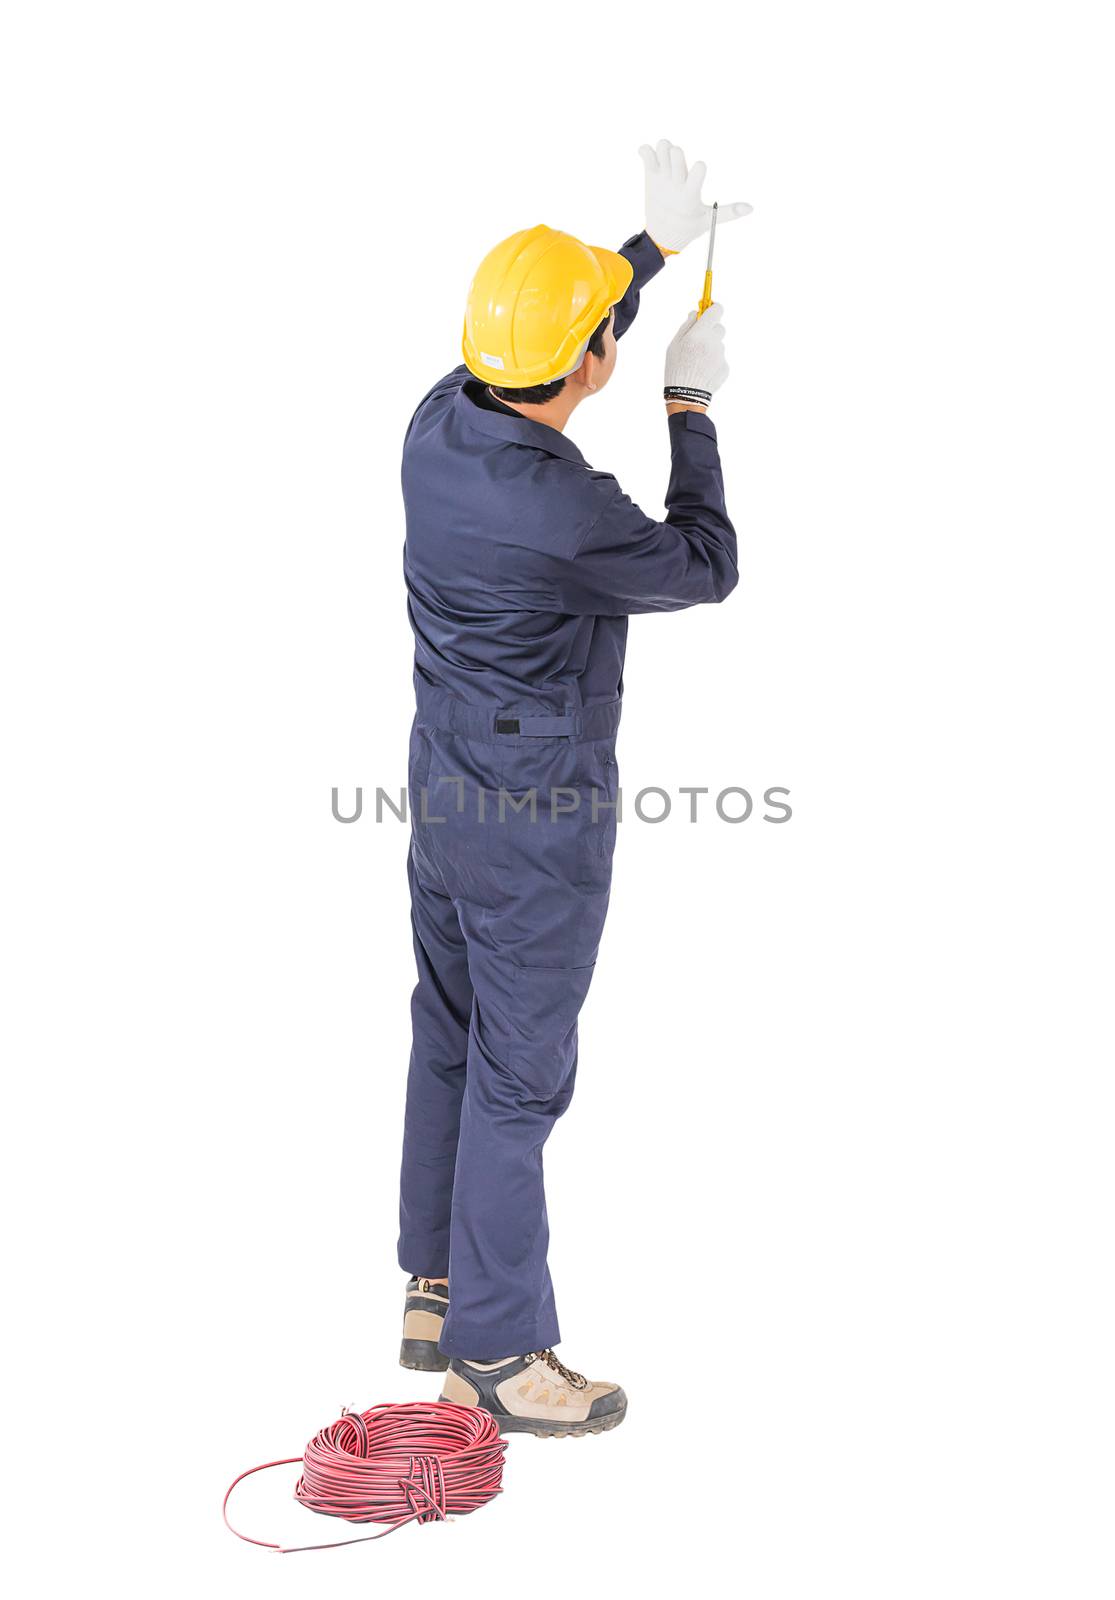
706, 297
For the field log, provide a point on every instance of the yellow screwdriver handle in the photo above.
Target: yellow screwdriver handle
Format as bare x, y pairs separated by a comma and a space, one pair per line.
706, 297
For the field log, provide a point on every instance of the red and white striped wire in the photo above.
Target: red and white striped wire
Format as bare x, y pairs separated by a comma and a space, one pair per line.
394, 1464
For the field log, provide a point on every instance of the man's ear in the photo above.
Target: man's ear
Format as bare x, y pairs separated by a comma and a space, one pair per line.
583, 374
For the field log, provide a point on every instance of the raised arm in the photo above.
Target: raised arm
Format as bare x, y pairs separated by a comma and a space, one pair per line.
625, 562
676, 215
646, 259
628, 563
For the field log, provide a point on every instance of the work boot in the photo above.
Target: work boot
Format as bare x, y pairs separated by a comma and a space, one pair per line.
426, 1305
536, 1394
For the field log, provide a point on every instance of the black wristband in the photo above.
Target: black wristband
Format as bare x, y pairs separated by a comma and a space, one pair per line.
682, 392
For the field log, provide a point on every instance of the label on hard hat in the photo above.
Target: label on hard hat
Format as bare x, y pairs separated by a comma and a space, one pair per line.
492, 361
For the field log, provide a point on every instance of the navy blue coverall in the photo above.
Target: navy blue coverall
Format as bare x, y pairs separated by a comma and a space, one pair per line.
522, 566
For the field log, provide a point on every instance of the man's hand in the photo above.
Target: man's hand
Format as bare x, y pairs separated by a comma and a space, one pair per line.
695, 364
676, 214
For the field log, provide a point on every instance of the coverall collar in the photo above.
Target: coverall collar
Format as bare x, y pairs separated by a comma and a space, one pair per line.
513, 428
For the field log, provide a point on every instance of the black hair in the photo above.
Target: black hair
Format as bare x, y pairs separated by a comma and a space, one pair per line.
538, 393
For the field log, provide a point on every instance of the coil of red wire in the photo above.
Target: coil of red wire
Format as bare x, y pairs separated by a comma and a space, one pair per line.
394, 1464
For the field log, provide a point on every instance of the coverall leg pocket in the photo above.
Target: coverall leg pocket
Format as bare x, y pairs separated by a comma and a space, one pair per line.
600, 808
542, 1053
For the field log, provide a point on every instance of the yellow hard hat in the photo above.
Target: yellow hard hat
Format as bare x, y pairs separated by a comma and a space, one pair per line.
534, 304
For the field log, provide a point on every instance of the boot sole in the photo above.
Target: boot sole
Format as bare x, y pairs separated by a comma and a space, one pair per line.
562, 1430
422, 1355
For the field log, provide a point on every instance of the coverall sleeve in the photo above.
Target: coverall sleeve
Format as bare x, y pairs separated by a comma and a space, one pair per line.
646, 259
628, 563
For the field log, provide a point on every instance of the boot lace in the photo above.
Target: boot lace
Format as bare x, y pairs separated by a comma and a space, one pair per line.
575, 1380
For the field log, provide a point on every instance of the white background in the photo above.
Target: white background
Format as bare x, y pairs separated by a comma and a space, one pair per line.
834, 1197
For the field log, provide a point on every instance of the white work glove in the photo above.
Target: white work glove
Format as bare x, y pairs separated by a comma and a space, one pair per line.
676, 214
695, 364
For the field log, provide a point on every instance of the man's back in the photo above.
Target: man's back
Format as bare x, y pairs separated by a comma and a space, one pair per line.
497, 507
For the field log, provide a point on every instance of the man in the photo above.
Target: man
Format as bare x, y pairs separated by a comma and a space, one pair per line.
522, 566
